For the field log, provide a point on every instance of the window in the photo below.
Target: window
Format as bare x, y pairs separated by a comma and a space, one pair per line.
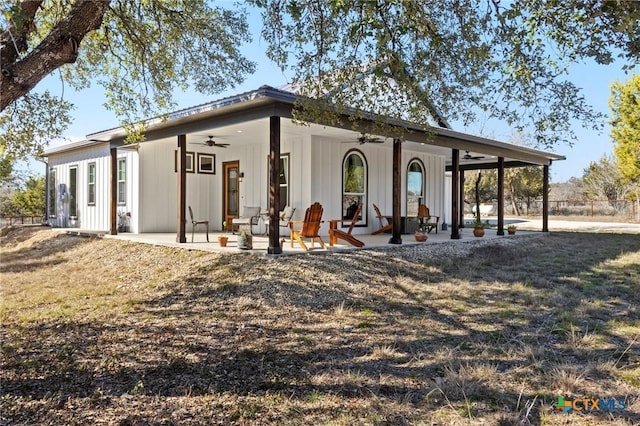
206, 163
283, 181
189, 168
122, 181
91, 184
415, 187
52, 193
73, 192
354, 184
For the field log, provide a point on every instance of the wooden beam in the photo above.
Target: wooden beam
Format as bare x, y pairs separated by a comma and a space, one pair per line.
396, 199
545, 199
456, 191
488, 166
113, 202
181, 236
461, 201
500, 195
274, 186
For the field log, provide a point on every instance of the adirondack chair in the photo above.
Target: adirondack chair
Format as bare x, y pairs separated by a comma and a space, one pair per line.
310, 227
426, 219
382, 219
335, 234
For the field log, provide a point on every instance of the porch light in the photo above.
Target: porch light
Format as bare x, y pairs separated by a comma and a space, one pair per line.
241, 177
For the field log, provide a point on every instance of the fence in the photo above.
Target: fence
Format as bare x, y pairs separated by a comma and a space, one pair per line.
620, 209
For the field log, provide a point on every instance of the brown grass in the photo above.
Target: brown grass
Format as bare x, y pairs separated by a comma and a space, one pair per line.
110, 332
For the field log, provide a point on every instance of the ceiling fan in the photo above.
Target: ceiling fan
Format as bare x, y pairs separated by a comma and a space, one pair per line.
210, 142
468, 156
364, 138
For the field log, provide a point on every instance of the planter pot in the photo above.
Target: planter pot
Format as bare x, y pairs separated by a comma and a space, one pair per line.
245, 241
511, 231
478, 232
420, 236
223, 241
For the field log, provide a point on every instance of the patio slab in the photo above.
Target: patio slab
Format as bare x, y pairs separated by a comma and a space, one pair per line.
261, 242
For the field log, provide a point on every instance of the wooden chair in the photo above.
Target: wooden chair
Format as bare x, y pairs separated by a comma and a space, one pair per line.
335, 234
310, 227
382, 219
197, 222
426, 219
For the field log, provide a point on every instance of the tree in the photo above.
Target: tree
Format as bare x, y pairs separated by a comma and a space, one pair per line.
451, 58
30, 201
522, 185
603, 180
139, 50
625, 131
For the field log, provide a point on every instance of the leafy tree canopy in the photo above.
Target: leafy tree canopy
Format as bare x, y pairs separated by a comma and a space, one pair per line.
138, 50
625, 106
456, 57
602, 180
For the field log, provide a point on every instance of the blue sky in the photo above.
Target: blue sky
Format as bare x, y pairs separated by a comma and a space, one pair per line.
595, 80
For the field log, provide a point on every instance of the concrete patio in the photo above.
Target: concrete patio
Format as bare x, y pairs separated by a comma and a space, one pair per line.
260, 242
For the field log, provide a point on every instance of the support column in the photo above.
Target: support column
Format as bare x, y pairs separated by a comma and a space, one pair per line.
182, 188
113, 202
545, 198
455, 194
396, 199
461, 200
500, 195
274, 185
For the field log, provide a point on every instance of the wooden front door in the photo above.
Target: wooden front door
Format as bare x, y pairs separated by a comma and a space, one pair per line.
230, 193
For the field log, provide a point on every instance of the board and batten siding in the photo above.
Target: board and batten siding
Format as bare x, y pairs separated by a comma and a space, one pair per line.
326, 170
94, 217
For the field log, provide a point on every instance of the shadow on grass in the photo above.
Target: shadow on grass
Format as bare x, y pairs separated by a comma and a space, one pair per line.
466, 347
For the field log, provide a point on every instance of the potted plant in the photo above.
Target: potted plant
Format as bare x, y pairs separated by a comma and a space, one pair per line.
478, 227
223, 239
245, 239
421, 234
511, 229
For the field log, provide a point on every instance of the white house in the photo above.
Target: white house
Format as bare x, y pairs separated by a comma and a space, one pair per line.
103, 184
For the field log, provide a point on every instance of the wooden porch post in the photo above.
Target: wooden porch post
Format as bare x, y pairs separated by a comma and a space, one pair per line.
500, 195
545, 198
455, 194
182, 188
461, 200
396, 221
274, 185
114, 192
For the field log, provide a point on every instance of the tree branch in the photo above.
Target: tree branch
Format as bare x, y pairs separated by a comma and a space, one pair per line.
59, 47
14, 38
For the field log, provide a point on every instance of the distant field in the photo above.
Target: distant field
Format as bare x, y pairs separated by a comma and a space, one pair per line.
104, 331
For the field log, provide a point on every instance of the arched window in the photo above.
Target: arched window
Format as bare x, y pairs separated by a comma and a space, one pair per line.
415, 186
354, 184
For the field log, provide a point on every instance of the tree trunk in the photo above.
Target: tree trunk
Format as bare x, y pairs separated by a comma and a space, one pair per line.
59, 47
478, 197
512, 195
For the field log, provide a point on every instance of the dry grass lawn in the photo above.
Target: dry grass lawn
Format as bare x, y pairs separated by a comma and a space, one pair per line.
103, 331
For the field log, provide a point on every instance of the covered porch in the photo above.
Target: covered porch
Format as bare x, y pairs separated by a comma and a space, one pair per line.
254, 125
